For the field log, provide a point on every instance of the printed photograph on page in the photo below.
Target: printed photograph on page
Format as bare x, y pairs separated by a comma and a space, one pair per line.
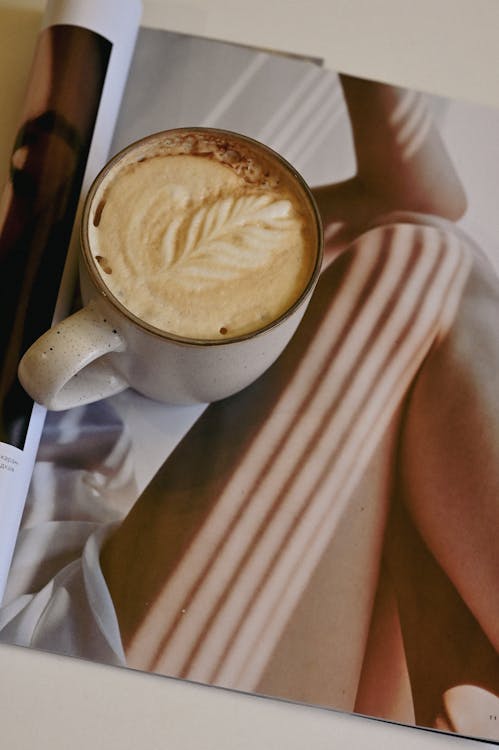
39, 200
329, 534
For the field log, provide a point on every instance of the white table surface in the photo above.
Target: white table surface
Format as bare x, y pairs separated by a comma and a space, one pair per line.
46, 701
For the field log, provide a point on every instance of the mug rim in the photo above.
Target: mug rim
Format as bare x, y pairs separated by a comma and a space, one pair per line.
143, 324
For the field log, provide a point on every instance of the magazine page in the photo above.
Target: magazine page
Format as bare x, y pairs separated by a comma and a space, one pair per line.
71, 103
327, 535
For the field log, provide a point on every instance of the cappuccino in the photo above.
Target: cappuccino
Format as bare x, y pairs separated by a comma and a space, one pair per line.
202, 234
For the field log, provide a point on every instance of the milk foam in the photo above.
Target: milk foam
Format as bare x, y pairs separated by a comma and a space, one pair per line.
202, 247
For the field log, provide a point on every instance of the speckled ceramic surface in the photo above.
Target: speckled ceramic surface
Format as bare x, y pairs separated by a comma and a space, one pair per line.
104, 348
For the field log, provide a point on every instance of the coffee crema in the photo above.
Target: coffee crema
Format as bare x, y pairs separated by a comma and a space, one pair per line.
203, 236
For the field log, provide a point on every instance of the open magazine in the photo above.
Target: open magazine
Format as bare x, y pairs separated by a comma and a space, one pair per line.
328, 535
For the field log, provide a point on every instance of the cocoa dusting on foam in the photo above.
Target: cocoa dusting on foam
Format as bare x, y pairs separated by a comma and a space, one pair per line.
103, 263
238, 156
98, 212
204, 238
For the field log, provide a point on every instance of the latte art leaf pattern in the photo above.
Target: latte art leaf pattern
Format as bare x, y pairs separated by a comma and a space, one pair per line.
198, 251
226, 238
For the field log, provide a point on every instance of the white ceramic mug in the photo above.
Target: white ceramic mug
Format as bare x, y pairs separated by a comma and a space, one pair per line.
104, 348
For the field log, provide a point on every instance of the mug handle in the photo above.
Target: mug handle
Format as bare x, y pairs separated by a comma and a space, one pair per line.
67, 366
